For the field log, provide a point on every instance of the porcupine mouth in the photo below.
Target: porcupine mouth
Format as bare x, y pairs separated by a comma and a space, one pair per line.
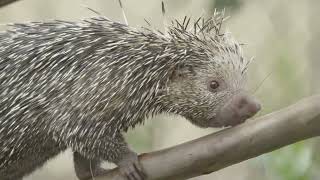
228, 120
231, 119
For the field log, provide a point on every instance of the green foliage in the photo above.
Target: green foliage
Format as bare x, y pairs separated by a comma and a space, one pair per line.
286, 68
140, 138
291, 163
231, 5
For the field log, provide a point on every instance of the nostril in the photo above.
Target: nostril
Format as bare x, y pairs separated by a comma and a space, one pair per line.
242, 103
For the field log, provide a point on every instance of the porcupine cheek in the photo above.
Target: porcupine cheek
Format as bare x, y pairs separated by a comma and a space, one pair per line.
239, 108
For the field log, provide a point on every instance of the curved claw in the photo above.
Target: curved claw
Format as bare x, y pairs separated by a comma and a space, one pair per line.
131, 168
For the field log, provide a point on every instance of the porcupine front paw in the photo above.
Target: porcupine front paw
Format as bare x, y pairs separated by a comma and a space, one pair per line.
130, 167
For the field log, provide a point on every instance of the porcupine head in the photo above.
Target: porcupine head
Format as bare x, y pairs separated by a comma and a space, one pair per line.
208, 87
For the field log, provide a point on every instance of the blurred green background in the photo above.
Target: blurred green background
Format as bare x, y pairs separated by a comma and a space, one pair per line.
282, 35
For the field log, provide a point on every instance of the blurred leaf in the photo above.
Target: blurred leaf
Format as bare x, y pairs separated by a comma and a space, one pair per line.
292, 162
229, 5
140, 137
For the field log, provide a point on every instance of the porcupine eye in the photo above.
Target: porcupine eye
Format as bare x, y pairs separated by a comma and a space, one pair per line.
213, 85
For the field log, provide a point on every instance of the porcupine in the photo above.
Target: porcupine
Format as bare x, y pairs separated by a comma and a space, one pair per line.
80, 85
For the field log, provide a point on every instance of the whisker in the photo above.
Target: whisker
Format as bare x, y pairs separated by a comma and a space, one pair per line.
261, 83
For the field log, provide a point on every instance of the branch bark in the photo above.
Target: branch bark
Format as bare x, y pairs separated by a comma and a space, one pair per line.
233, 145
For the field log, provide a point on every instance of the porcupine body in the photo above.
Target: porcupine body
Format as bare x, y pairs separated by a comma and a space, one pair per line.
80, 85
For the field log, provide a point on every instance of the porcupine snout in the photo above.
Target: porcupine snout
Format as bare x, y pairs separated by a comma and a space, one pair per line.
240, 107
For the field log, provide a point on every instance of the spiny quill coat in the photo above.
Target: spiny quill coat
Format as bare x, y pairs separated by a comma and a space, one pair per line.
81, 85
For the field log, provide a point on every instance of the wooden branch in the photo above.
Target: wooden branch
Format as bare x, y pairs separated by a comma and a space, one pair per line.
6, 2
233, 145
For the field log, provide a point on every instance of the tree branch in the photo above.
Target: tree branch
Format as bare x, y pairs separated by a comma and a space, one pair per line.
233, 145
6, 2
